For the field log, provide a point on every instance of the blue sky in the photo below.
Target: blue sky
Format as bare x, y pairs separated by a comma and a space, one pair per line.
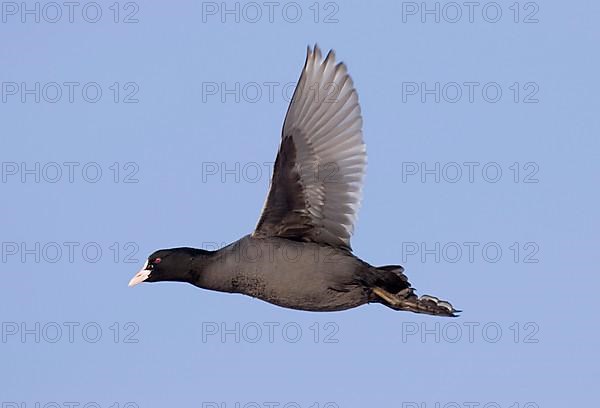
156, 127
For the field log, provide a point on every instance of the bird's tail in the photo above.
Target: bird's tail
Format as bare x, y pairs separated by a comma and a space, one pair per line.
393, 289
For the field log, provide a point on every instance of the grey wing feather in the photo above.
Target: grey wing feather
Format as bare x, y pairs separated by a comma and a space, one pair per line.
317, 179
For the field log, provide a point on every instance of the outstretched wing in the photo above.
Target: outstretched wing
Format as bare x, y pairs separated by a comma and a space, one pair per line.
317, 178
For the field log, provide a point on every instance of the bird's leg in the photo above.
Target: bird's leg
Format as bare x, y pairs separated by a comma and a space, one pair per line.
407, 300
387, 296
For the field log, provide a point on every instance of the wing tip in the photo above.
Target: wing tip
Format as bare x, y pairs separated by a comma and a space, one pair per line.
316, 55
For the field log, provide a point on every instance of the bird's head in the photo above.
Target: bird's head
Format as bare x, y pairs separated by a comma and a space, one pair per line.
166, 265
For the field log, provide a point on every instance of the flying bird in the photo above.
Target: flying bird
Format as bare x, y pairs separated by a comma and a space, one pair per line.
299, 255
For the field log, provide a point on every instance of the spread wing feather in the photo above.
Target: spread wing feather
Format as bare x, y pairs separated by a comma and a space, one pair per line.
317, 179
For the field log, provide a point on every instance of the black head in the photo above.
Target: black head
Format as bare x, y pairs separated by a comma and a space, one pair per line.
174, 265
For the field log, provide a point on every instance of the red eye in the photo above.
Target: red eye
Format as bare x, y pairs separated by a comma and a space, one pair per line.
156, 261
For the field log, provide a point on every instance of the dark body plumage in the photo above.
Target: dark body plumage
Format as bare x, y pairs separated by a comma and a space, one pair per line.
297, 275
299, 256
